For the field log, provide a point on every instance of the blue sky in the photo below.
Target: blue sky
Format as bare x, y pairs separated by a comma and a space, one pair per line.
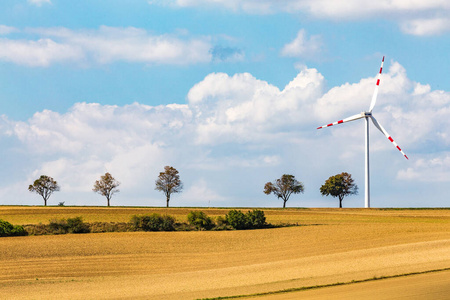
228, 92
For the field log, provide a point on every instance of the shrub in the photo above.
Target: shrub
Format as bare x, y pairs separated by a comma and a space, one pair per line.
237, 219
153, 222
18, 230
256, 219
71, 225
76, 225
251, 220
221, 221
58, 226
7, 229
167, 223
200, 220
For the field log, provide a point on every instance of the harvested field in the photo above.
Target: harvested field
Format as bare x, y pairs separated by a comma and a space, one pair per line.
335, 246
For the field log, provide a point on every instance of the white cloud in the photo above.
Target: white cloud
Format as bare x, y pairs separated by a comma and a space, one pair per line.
199, 192
422, 27
4, 30
415, 17
301, 46
39, 2
428, 169
103, 46
41, 53
243, 108
237, 129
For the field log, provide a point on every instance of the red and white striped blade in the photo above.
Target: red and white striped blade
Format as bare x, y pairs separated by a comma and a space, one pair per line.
378, 125
375, 93
352, 118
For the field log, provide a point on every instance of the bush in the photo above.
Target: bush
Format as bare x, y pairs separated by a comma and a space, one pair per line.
200, 220
221, 221
167, 223
237, 219
58, 226
76, 225
251, 220
153, 222
71, 225
256, 219
7, 229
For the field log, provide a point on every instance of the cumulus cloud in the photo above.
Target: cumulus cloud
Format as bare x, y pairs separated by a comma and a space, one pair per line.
301, 46
103, 46
236, 129
415, 17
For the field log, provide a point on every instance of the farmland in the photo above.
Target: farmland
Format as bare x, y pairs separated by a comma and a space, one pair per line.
333, 246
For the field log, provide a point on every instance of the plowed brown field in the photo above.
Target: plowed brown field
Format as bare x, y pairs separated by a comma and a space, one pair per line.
335, 246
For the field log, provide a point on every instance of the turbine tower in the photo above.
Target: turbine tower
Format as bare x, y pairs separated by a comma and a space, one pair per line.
368, 115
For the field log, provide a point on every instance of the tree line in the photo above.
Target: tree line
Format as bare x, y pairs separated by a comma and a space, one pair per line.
168, 182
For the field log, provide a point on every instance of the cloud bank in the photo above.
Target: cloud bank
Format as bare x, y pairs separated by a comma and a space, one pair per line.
234, 134
414, 17
102, 46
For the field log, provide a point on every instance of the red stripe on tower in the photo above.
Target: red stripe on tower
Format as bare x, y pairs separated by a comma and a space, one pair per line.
341, 121
378, 82
383, 59
381, 70
331, 124
391, 139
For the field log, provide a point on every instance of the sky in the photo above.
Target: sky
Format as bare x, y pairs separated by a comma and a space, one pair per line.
228, 92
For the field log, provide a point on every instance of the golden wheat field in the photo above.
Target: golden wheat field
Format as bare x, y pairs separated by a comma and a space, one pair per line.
333, 245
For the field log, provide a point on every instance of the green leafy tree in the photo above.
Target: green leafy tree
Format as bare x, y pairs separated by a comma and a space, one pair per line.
340, 186
169, 182
284, 187
44, 186
106, 186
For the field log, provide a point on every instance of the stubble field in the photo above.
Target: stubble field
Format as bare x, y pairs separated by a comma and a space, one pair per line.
333, 246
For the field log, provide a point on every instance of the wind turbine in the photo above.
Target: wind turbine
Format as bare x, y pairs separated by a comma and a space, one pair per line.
366, 115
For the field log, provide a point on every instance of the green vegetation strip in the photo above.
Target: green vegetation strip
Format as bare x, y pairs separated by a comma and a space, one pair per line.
305, 288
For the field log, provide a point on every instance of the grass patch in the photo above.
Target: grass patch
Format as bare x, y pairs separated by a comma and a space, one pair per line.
305, 288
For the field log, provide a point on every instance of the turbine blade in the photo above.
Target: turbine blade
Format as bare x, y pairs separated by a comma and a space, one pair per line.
375, 93
378, 125
352, 118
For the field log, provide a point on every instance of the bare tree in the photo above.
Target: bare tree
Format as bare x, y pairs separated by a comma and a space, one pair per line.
169, 182
44, 186
339, 185
106, 186
284, 187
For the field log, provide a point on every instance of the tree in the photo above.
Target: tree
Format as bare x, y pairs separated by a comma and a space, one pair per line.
44, 186
284, 187
106, 186
340, 185
169, 182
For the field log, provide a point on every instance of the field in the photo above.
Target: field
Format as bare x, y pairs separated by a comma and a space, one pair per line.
333, 246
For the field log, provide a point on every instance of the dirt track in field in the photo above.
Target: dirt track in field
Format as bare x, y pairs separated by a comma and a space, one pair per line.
348, 245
